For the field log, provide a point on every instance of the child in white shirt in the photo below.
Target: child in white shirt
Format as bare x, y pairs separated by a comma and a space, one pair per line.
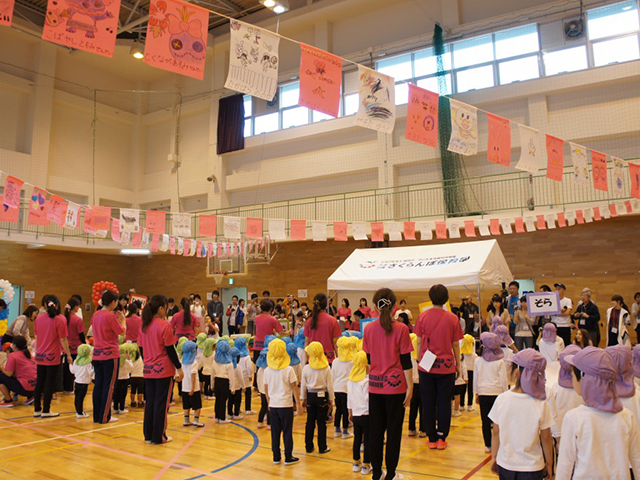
459, 390
506, 342
261, 365
622, 357
191, 399
235, 400
561, 396
468, 353
358, 405
340, 370
206, 364
224, 379
120, 391
415, 407
82, 369
248, 369
549, 343
137, 376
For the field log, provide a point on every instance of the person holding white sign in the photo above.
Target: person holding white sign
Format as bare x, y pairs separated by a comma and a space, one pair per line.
563, 319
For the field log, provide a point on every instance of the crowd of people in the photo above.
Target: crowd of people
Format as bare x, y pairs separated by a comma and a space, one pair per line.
551, 402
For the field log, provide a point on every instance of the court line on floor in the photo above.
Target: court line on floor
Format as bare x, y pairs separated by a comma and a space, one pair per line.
477, 468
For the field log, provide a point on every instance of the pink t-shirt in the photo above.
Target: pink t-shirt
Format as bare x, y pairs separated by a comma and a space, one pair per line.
154, 342
366, 311
106, 329
49, 331
74, 329
23, 368
182, 330
344, 312
265, 325
386, 375
134, 325
326, 330
438, 330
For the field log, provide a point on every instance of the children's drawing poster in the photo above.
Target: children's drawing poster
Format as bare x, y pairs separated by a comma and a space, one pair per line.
377, 107
580, 167
72, 215
634, 177
6, 12
156, 222
320, 80
618, 182
531, 156
409, 230
101, 218
115, 230
253, 61
254, 228
129, 220
181, 224
422, 116
499, 149
207, 225
56, 209
89, 25
232, 228
555, 158
277, 229
38, 208
8, 214
12, 188
377, 232
177, 37
599, 171
464, 128
340, 231
298, 229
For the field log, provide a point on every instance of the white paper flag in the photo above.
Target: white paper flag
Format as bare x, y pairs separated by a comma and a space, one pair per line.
359, 230
145, 240
129, 220
483, 227
377, 105
319, 231
635, 205
73, 212
181, 224
570, 217
192, 248
531, 153
618, 176
505, 223
426, 230
165, 243
180, 246
232, 228
253, 61
277, 229
454, 230
605, 213
551, 220
588, 215
530, 224
464, 128
394, 229
580, 167
125, 238
620, 208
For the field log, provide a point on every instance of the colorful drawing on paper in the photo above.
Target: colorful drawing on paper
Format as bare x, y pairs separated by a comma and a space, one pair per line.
618, 180
7, 214
72, 215
129, 220
580, 167
253, 61
12, 188
464, 128
377, 107
634, 177
555, 158
56, 209
6, 12
499, 148
320, 80
531, 158
156, 222
38, 208
599, 171
422, 116
177, 37
89, 25
181, 224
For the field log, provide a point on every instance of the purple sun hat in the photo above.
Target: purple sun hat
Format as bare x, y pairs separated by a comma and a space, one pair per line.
491, 350
565, 377
532, 378
623, 360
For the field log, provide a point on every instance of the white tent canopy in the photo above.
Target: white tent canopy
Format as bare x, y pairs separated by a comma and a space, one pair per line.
418, 268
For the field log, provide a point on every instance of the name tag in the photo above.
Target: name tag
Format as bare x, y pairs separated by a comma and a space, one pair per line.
583, 322
321, 394
427, 360
614, 330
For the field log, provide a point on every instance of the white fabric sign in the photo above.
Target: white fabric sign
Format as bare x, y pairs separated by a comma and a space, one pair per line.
277, 229
454, 230
359, 230
129, 220
232, 228
181, 224
377, 104
531, 153
319, 231
580, 167
505, 223
394, 229
426, 230
73, 212
551, 220
483, 227
530, 224
464, 128
570, 217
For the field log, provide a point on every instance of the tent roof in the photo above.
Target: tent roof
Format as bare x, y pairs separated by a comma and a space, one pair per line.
418, 268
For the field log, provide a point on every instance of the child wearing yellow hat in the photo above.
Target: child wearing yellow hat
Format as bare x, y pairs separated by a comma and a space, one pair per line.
317, 396
468, 354
415, 408
340, 370
280, 386
358, 405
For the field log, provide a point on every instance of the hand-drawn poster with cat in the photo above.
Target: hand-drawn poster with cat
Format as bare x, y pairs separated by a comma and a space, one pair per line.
6, 12
531, 156
464, 128
89, 25
177, 37
253, 61
320, 80
422, 116
580, 167
129, 220
377, 107
499, 147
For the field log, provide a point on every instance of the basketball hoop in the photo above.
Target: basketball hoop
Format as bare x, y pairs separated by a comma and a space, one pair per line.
218, 277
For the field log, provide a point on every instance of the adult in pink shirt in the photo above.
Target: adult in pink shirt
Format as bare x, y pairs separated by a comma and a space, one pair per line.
107, 325
51, 340
364, 308
322, 327
161, 364
19, 374
134, 323
265, 324
388, 346
438, 332
184, 323
75, 332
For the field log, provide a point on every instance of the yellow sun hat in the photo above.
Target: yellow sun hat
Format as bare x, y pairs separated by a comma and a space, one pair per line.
468, 342
346, 349
277, 356
317, 358
414, 341
359, 369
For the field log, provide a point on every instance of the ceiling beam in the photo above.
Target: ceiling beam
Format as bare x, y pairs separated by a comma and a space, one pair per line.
230, 5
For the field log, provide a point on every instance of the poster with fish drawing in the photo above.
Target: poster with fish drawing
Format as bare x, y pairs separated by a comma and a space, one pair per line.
253, 61
6, 12
177, 37
129, 220
464, 128
579, 161
599, 171
499, 147
531, 156
618, 169
377, 102
181, 224
320, 80
422, 116
89, 25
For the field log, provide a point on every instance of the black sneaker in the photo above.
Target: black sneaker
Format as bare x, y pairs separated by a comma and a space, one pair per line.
328, 449
291, 461
276, 461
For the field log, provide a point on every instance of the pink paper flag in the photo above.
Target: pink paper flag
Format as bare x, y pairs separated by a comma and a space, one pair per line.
441, 230
596, 214
38, 207
377, 232
494, 226
207, 225
86, 221
8, 214
177, 37
634, 177
89, 27
320, 80
627, 205
12, 188
156, 222
580, 217
469, 228
56, 209
613, 210
101, 218
409, 230
219, 252
519, 225
555, 158
254, 228
187, 247
422, 116
115, 229
209, 250
199, 249
155, 241
6, 12
137, 238
542, 224
499, 149
562, 221
298, 229
172, 245
599, 171
340, 231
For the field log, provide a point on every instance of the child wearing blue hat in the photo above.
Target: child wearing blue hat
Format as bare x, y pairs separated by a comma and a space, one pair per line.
191, 399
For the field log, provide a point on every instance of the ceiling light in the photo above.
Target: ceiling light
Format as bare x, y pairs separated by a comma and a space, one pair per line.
277, 6
279, 9
135, 251
137, 50
36, 245
268, 3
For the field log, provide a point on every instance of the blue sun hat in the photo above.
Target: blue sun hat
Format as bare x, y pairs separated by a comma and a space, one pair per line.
292, 350
241, 345
235, 353
223, 352
189, 352
262, 358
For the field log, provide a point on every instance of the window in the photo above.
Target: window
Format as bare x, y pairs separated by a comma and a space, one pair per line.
612, 20
351, 104
397, 67
517, 41
289, 95
319, 116
266, 123
616, 50
425, 62
567, 60
248, 112
475, 78
402, 93
518, 70
472, 52
293, 117
433, 84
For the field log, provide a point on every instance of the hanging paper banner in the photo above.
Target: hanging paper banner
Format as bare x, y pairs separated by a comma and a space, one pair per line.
181, 246
529, 223
469, 228
172, 247
377, 105
441, 230
541, 222
37, 208
600, 212
531, 157
165, 243
207, 225
494, 226
192, 248
101, 218
394, 229
319, 231
359, 230
628, 207
464, 128
155, 242
209, 249
71, 217
555, 158
550, 219
86, 222
320, 80
571, 218
253, 61
115, 230
588, 215
613, 210
422, 116
125, 238
181, 224
6, 12
340, 231
12, 188
618, 182
298, 229
232, 228
579, 160
156, 222
254, 228
499, 149
199, 249
8, 214
89, 26
136, 239
580, 217
505, 223
519, 225
129, 220
377, 232
561, 220
409, 230
483, 228
454, 230
426, 230
634, 178
56, 209
599, 171
277, 229
146, 236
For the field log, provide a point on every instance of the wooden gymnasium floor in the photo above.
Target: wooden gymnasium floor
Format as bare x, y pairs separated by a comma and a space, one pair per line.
65, 448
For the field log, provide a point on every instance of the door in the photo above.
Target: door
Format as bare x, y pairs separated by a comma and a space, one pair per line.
226, 294
15, 307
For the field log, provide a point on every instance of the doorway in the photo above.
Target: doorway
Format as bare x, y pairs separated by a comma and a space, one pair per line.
226, 294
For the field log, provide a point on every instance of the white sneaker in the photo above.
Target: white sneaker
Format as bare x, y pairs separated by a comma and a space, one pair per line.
239, 417
225, 421
337, 433
456, 413
113, 419
124, 411
250, 412
82, 415
487, 449
50, 415
471, 408
413, 433
37, 414
355, 468
398, 476
261, 425
366, 469
347, 435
